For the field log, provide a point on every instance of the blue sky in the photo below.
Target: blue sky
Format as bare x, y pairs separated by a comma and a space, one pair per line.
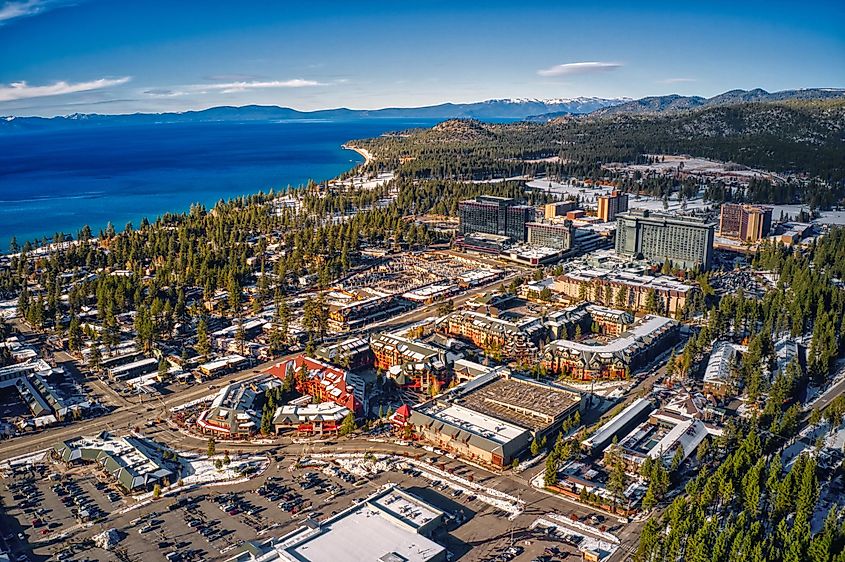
105, 56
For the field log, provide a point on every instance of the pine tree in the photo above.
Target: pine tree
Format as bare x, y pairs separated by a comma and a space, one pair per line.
203, 345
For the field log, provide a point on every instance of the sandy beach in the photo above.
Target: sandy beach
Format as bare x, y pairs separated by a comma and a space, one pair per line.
362, 151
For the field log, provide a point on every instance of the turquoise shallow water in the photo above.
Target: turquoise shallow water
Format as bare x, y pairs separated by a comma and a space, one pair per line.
61, 180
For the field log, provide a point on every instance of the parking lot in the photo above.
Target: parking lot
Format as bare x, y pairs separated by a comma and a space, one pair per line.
59, 512
41, 506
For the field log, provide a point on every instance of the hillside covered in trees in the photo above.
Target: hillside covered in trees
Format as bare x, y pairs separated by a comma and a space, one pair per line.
805, 138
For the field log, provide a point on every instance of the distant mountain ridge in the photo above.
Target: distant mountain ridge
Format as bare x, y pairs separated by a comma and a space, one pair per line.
675, 102
529, 109
491, 109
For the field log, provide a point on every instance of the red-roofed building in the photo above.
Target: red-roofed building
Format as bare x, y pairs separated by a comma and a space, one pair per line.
401, 416
324, 382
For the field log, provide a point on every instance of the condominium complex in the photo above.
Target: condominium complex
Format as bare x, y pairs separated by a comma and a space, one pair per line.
616, 358
625, 289
550, 235
745, 222
611, 205
495, 215
686, 242
514, 338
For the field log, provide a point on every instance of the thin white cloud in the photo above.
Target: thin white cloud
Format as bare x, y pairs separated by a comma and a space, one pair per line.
164, 92
241, 86
22, 90
676, 80
572, 68
24, 8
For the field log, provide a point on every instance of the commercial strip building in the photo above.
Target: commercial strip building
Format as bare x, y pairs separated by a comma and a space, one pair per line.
533, 255
45, 401
365, 307
134, 369
493, 418
621, 424
624, 289
222, 365
686, 242
312, 419
495, 215
613, 359
514, 338
746, 223
134, 463
390, 526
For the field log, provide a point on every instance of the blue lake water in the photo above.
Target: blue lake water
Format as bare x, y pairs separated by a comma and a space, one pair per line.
58, 181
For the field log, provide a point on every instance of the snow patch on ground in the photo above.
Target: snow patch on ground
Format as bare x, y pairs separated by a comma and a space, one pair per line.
591, 538
365, 465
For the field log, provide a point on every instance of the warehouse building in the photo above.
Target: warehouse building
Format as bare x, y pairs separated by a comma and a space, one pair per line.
390, 526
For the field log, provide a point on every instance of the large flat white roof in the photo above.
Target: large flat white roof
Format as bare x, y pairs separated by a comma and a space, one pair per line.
367, 532
486, 426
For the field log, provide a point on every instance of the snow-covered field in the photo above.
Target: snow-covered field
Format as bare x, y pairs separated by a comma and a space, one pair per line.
201, 470
588, 196
365, 183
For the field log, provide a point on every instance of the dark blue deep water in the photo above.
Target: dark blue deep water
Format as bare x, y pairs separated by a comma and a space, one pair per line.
63, 179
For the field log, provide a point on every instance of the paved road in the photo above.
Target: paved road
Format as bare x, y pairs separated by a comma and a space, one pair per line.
121, 418
829, 395
129, 414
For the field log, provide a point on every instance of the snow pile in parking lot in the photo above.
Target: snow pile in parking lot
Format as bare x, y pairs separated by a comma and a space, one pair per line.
202, 470
107, 540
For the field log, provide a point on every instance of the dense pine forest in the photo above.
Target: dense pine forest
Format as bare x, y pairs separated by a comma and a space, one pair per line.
804, 138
